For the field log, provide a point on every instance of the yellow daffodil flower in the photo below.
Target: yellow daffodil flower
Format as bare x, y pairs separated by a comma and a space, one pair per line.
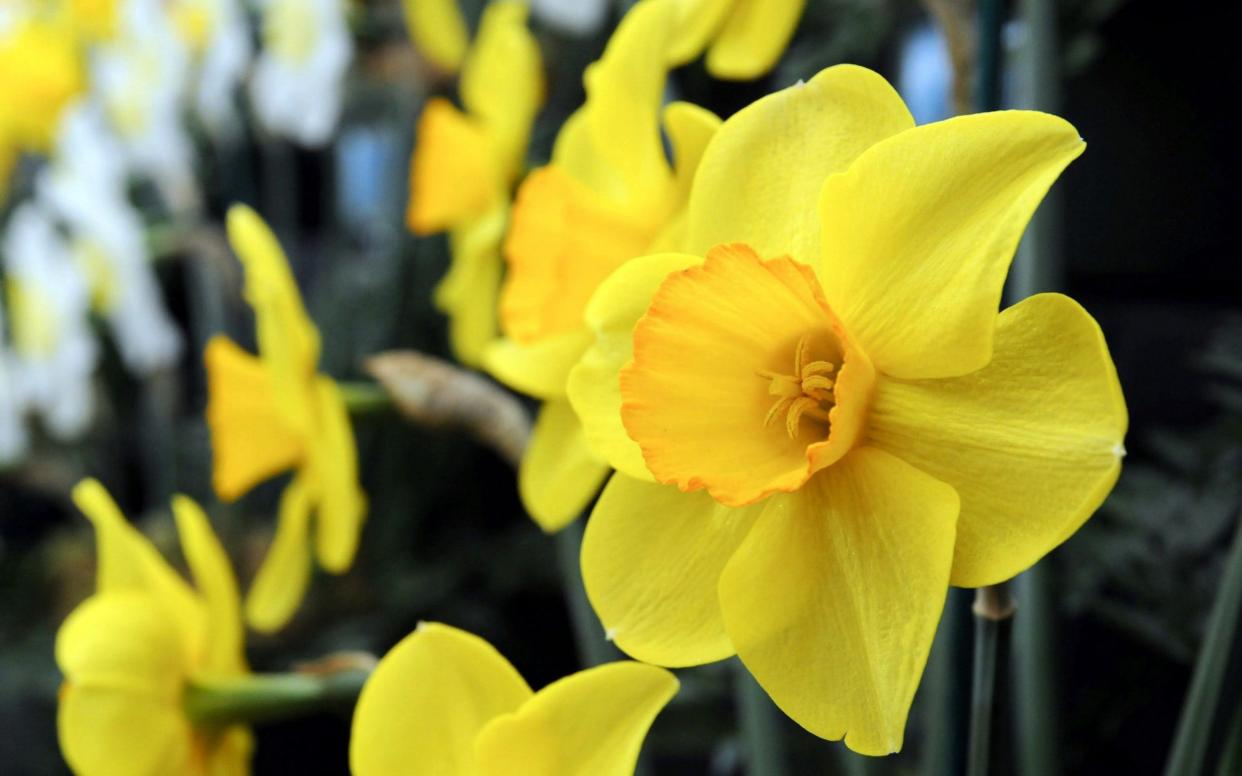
464, 166
445, 702
41, 72
743, 38
825, 423
438, 31
272, 413
608, 195
130, 651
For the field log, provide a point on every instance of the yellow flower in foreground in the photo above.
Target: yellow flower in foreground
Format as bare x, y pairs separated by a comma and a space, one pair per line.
465, 164
438, 31
826, 423
608, 195
444, 702
41, 72
274, 413
743, 38
129, 652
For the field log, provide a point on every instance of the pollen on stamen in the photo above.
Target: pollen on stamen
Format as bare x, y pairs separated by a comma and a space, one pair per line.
806, 392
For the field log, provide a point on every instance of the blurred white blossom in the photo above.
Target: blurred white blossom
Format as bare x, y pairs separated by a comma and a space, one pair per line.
141, 77
297, 84
87, 188
576, 17
218, 38
48, 299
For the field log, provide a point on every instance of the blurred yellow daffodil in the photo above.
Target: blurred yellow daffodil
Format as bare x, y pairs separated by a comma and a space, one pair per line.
272, 413
825, 423
445, 702
608, 195
41, 72
438, 31
131, 650
464, 166
743, 38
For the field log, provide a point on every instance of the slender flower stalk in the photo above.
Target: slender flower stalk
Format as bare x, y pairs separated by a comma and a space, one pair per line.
1212, 697
246, 700
994, 608
994, 605
1037, 269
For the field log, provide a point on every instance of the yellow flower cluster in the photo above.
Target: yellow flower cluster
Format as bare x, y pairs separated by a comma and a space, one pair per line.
778, 343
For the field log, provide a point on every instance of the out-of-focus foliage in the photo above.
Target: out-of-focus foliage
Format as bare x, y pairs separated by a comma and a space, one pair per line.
1150, 561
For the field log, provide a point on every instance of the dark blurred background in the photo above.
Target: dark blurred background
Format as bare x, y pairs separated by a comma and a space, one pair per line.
1147, 244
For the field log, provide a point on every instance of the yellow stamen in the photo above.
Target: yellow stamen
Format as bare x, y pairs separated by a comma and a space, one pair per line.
808, 391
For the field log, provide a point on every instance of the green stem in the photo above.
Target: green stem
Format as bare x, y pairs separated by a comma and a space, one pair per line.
993, 620
364, 398
757, 717
1231, 756
1212, 696
269, 697
593, 647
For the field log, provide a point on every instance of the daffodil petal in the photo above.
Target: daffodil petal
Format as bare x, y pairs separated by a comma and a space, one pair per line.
1032, 442
919, 232
438, 31
591, 723
559, 475
213, 577
594, 386
288, 340
470, 290
282, 578
690, 128
625, 90
539, 368
753, 37
698, 21
427, 700
453, 172
230, 753
125, 641
341, 506
97, 733
250, 440
833, 598
694, 396
502, 81
129, 562
763, 170
122, 657
651, 561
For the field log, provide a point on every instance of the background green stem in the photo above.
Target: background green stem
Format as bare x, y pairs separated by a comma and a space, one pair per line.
363, 398
269, 697
1214, 693
760, 727
593, 648
993, 622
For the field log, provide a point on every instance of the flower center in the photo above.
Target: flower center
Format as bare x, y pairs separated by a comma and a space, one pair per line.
809, 391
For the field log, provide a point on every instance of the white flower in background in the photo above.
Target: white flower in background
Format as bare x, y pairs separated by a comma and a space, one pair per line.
297, 84
54, 350
576, 17
218, 37
85, 186
141, 77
